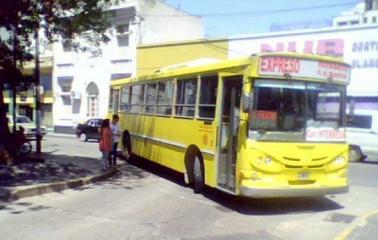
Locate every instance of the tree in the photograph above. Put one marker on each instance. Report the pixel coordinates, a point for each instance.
(75, 20)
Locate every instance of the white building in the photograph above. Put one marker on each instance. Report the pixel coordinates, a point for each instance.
(356, 45)
(362, 13)
(81, 80)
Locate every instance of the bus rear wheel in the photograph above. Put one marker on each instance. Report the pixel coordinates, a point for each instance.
(198, 174)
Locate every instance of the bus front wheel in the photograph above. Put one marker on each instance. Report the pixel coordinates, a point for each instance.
(198, 175)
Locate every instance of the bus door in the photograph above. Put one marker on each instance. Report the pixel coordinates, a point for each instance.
(230, 113)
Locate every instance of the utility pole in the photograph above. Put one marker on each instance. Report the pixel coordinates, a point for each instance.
(13, 86)
(37, 93)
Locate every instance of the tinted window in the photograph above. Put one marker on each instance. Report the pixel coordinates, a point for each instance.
(23, 120)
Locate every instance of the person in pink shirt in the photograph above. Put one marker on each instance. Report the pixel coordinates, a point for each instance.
(105, 142)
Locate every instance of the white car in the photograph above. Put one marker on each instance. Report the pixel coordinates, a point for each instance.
(27, 124)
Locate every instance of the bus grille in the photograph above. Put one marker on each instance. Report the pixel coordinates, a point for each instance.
(301, 182)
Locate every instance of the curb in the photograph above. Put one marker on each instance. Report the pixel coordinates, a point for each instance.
(360, 222)
(61, 135)
(22, 192)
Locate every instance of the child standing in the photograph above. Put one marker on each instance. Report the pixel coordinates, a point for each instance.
(105, 142)
(114, 126)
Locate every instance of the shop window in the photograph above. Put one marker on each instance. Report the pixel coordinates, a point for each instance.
(65, 83)
(123, 40)
(46, 81)
(67, 45)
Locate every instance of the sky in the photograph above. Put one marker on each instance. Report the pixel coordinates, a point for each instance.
(236, 17)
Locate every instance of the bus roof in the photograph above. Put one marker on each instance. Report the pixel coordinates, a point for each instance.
(186, 68)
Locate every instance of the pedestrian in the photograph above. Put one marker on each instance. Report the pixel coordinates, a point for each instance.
(105, 142)
(116, 133)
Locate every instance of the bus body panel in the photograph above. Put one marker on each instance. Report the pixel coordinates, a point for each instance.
(165, 140)
(268, 169)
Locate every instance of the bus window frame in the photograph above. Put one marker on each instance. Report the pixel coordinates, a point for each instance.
(145, 99)
(198, 104)
(141, 104)
(111, 100)
(172, 100)
(128, 103)
(186, 78)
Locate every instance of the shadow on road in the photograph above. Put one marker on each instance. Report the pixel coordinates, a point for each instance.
(226, 202)
(270, 206)
(132, 173)
(367, 162)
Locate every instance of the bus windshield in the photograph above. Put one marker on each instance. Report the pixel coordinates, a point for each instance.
(286, 110)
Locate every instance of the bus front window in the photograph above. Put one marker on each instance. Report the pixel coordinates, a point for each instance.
(287, 110)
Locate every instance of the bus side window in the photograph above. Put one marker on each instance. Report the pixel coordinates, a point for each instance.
(165, 97)
(111, 98)
(137, 99)
(208, 97)
(186, 97)
(149, 106)
(124, 103)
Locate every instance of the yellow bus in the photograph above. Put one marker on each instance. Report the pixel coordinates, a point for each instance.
(270, 125)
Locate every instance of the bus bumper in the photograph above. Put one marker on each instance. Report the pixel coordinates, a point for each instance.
(290, 192)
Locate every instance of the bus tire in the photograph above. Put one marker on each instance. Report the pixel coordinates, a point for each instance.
(126, 141)
(198, 173)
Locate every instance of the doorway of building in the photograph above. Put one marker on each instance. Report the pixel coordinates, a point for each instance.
(92, 99)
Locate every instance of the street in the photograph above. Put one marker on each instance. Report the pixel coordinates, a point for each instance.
(144, 201)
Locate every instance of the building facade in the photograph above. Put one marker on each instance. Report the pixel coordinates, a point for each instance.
(25, 97)
(362, 13)
(356, 45)
(81, 80)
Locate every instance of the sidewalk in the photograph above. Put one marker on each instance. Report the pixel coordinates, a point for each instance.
(48, 173)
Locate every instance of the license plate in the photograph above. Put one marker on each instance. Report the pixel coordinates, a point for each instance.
(303, 175)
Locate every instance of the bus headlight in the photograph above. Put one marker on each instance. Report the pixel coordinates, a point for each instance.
(338, 163)
(264, 160)
(266, 164)
(340, 160)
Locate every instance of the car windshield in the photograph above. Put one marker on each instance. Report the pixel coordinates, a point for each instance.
(23, 119)
(297, 111)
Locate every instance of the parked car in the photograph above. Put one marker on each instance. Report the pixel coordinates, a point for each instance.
(89, 130)
(27, 124)
(356, 154)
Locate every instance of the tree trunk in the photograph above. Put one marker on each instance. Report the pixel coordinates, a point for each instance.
(6, 142)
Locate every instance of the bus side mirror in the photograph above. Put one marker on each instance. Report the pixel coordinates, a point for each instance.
(247, 102)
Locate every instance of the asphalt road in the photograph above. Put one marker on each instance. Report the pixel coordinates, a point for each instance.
(148, 202)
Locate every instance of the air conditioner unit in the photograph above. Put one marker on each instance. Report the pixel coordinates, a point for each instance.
(75, 95)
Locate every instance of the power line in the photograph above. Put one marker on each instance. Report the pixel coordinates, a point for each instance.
(254, 13)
